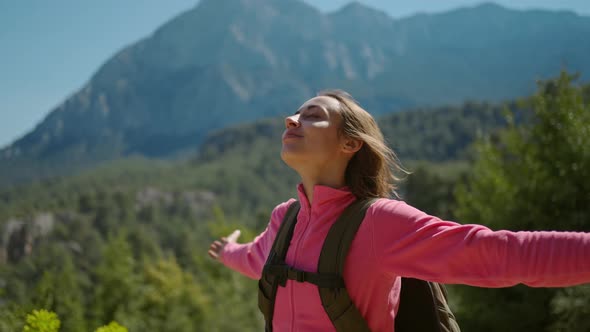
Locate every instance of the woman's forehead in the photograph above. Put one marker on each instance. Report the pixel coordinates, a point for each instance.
(326, 102)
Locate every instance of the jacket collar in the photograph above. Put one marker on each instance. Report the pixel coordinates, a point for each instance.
(323, 196)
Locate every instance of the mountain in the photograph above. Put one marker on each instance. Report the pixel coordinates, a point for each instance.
(232, 61)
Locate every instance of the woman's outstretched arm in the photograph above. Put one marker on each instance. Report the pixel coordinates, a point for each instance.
(409, 242)
(249, 258)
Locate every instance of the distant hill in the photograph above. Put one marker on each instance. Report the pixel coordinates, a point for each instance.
(242, 164)
(233, 61)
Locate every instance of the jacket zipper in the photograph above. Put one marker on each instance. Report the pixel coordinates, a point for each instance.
(295, 256)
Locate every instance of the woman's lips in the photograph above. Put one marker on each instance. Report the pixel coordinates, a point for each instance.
(291, 136)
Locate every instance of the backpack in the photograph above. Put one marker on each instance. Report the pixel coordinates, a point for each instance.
(423, 305)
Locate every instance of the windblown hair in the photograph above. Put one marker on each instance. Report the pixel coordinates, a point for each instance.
(371, 172)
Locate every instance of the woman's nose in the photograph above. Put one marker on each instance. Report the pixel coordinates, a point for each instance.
(292, 121)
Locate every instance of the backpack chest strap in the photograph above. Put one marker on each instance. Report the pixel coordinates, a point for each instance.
(283, 272)
(332, 291)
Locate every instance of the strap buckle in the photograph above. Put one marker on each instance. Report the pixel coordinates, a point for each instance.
(278, 272)
(282, 272)
(299, 275)
(296, 274)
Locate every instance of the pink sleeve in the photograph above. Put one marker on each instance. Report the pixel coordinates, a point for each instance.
(249, 258)
(411, 243)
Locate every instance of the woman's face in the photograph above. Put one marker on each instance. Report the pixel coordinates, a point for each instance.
(311, 135)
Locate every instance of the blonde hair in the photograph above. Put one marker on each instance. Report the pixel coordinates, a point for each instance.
(371, 172)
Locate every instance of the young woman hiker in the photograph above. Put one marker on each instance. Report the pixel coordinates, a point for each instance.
(339, 152)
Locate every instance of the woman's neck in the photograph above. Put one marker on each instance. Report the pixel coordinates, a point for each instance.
(331, 174)
(310, 183)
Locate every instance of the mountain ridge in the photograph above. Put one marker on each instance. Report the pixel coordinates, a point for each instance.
(226, 62)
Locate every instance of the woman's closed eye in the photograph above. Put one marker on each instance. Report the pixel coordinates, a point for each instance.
(307, 115)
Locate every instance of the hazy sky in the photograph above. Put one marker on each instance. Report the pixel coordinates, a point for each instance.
(50, 49)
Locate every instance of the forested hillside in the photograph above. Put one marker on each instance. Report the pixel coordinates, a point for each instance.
(239, 163)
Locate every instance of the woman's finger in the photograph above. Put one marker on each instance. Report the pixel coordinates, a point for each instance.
(213, 254)
(233, 237)
(217, 246)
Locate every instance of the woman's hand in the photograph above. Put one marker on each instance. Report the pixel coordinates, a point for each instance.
(217, 246)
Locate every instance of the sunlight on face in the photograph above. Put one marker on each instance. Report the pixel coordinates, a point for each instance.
(311, 135)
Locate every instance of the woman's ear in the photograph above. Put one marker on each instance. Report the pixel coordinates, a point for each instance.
(352, 145)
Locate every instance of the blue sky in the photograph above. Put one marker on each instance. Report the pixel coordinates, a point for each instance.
(50, 49)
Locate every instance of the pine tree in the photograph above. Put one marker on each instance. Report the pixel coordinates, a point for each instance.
(529, 177)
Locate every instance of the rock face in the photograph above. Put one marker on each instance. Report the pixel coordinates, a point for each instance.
(230, 61)
(19, 236)
(197, 202)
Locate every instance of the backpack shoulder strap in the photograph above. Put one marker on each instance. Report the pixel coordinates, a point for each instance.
(285, 232)
(423, 307)
(336, 301)
(268, 284)
(423, 304)
(447, 319)
(340, 237)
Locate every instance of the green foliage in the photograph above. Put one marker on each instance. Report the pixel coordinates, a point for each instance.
(59, 290)
(570, 307)
(42, 321)
(12, 318)
(536, 174)
(430, 187)
(112, 327)
(440, 134)
(116, 291)
(172, 299)
(532, 176)
(48, 321)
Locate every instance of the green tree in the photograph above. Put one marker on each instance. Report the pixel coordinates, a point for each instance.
(42, 321)
(112, 327)
(12, 317)
(117, 282)
(60, 290)
(172, 299)
(530, 176)
(430, 187)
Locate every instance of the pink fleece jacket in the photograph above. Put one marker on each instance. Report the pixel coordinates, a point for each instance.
(395, 240)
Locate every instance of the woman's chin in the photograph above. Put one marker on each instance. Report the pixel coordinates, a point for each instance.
(291, 158)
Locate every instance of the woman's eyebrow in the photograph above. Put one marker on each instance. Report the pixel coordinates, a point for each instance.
(308, 108)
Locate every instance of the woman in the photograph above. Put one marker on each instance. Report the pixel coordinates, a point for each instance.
(339, 152)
